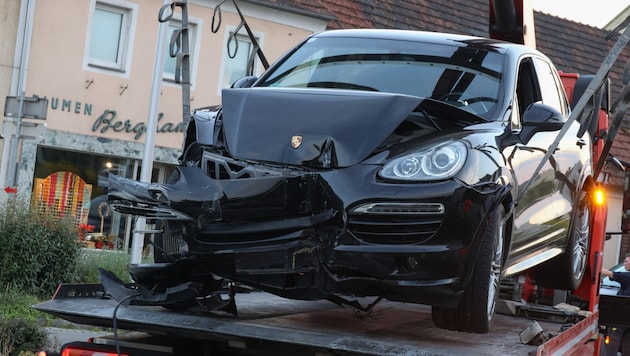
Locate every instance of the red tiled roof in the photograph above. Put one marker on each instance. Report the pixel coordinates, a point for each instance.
(314, 8)
(447, 16)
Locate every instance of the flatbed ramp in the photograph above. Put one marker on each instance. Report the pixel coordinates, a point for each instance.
(267, 324)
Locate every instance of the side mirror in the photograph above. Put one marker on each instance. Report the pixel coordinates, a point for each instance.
(245, 82)
(543, 117)
(540, 117)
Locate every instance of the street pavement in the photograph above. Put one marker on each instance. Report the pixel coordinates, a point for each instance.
(60, 335)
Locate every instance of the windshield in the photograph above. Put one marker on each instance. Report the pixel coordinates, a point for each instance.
(458, 75)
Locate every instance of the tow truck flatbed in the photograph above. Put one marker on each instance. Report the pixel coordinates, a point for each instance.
(267, 324)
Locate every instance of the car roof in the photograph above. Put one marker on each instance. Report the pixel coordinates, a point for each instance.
(432, 37)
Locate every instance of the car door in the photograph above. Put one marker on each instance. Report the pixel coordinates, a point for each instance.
(571, 154)
(535, 215)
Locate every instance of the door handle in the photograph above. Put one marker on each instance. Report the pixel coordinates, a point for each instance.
(580, 142)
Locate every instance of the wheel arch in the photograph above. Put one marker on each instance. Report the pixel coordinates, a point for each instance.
(503, 197)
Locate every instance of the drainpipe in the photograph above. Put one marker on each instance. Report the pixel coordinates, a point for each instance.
(18, 82)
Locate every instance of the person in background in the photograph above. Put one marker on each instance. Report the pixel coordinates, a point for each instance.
(619, 336)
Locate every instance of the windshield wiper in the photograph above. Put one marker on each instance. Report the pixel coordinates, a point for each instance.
(443, 111)
(340, 85)
(415, 118)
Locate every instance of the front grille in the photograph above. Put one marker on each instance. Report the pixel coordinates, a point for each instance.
(393, 229)
(172, 243)
(224, 168)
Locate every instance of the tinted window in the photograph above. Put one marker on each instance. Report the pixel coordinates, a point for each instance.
(459, 75)
(527, 87)
(551, 91)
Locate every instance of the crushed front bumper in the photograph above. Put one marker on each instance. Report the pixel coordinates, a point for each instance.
(306, 235)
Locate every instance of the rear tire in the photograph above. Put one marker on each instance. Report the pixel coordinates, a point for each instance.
(565, 272)
(477, 306)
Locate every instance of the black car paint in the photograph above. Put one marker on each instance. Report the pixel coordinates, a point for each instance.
(283, 219)
(275, 219)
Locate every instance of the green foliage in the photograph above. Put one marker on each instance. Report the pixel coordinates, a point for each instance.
(113, 261)
(21, 335)
(15, 304)
(38, 252)
(20, 329)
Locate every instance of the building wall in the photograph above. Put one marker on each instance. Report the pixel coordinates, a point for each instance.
(9, 16)
(81, 97)
(104, 112)
(57, 70)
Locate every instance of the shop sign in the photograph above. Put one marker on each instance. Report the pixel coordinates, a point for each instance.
(109, 121)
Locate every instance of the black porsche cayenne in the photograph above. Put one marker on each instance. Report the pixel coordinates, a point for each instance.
(395, 164)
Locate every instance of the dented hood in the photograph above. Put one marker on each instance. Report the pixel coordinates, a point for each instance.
(298, 126)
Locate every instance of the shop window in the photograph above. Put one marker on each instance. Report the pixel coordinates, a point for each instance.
(74, 184)
(64, 194)
(110, 35)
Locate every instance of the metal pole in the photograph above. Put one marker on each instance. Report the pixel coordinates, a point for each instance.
(149, 145)
(15, 139)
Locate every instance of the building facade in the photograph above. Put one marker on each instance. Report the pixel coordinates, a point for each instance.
(10, 15)
(93, 62)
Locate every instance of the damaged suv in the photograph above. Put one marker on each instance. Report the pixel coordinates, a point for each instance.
(390, 164)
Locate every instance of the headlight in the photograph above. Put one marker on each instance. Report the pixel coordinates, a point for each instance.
(439, 162)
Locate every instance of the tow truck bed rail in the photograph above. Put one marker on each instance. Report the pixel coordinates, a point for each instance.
(267, 324)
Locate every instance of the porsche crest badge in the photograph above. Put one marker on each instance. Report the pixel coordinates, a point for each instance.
(296, 141)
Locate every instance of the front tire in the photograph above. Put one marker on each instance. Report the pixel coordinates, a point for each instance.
(477, 306)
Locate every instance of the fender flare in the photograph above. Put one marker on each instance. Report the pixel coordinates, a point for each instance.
(502, 196)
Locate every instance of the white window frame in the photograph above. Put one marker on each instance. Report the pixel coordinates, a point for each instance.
(122, 64)
(194, 36)
(242, 36)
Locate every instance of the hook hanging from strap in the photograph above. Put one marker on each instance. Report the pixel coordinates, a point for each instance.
(233, 37)
(179, 48)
